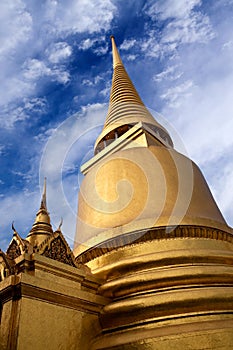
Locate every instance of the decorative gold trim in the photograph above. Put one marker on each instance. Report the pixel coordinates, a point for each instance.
(153, 234)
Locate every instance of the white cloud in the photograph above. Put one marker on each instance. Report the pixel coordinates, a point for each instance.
(93, 82)
(33, 44)
(80, 15)
(210, 112)
(86, 44)
(16, 114)
(127, 44)
(16, 24)
(106, 91)
(87, 82)
(35, 69)
(44, 134)
(13, 89)
(150, 46)
(36, 104)
(102, 50)
(195, 28)
(175, 95)
(59, 52)
(171, 9)
(131, 57)
(185, 24)
(21, 209)
(99, 45)
(16, 31)
(170, 73)
(228, 45)
(23, 111)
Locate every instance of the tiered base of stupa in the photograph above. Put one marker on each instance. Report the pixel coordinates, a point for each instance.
(168, 290)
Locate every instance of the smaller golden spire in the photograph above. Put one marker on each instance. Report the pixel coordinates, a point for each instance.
(115, 54)
(43, 215)
(41, 228)
(43, 199)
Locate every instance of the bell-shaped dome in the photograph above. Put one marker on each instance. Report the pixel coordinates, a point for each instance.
(137, 181)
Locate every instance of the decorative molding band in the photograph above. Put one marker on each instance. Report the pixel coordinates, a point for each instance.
(161, 233)
(64, 300)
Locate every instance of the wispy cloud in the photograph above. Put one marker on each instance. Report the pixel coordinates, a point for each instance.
(176, 94)
(35, 69)
(127, 44)
(31, 47)
(185, 24)
(92, 82)
(59, 52)
(97, 43)
(22, 111)
(80, 16)
(13, 208)
(170, 73)
(150, 46)
(17, 23)
(171, 9)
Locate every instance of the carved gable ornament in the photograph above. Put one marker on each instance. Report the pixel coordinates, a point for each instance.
(13, 250)
(55, 247)
(17, 246)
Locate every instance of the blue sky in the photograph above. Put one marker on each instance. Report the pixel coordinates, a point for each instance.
(56, 72)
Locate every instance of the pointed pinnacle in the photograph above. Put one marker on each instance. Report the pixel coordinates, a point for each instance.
(115, 54)
(60, 225)
(13, 227)
(43, 199)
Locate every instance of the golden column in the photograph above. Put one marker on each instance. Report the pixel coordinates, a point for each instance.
(149, 228)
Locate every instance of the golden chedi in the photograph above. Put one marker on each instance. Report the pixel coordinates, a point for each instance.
(152, 268)
(149, 227)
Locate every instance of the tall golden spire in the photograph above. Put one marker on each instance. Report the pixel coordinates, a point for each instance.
(41, 227)
(126, 107)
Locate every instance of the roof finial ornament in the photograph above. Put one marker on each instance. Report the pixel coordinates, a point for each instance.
(43, 200)
(60, 225)
(13, 228)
